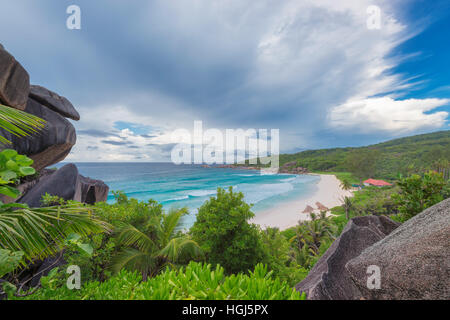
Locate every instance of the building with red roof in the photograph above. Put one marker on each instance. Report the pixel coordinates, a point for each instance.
(377, 183)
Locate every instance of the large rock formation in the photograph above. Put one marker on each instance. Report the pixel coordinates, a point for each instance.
(54, 102)
(14, 81)
(328, 279)
(414, 260)
(67, 184)
(49, 146)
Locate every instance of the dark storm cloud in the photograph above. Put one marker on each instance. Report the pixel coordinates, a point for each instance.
(241, 64)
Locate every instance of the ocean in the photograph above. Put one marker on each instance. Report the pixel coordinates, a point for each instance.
(190, 185)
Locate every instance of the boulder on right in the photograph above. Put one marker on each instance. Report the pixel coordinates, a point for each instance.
(414, 260)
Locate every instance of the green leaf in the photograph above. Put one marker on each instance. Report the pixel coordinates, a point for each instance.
(9, 153)
(8, 175)
(9, 261)
(73, 237)
(12, 165)
(13, 205)
(9, 191)
(86, 247)
(23, 161)
(27, 171)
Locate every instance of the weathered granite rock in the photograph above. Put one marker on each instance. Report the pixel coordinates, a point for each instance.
(27, 185)
(14, 81)
(54, 102)
(328, 279)
(49, 146)
(91, 191)
(43, 268)
(67, 184)
(414, 260)
(62, 183)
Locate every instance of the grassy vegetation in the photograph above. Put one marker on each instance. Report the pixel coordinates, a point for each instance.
(194, 282)
(400, 156)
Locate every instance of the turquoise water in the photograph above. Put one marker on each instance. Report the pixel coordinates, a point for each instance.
(190, 185)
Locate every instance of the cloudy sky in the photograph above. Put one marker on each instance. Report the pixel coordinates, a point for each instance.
(320, 71)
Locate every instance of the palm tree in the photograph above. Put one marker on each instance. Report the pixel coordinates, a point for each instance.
(347, 204)
(311, 233)
(41, 232)
(346, 184)
(159, 243)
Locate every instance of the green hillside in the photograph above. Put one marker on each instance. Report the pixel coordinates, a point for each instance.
(404, 155)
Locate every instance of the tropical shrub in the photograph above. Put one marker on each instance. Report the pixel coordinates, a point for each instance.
(13, 166)
(196, 281)
(312, 238)
(224, 233)
(418, 193)
(279, 260)
(145, 239)
(150, 248)
(9, 261)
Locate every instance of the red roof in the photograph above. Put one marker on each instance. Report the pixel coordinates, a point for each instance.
(378, 183)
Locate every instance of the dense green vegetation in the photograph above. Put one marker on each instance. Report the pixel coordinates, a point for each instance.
(194, 282)
(223, 231)
(163, 262)
(400, 156)
(136, 250)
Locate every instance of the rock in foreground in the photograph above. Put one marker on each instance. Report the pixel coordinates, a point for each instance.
(414, 260)
(328, 279)
(67, 184)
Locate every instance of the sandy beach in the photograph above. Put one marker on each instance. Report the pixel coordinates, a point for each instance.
(286, 215)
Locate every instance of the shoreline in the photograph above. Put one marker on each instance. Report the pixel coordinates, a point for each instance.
(288, 214)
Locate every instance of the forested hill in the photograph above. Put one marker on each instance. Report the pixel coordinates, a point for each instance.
(404, 155)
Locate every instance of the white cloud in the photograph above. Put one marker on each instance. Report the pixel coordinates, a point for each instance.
(389, 115)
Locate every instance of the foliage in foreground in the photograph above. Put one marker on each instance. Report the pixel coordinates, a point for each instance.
(18, 123)
(145, 239)
(224, 233)
(195, 282)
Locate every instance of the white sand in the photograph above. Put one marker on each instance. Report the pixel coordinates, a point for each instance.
(286, 215)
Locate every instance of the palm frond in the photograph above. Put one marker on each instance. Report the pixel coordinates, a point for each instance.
(170, 223)
(131, 236)
(177, 246)
(41, 232)
(18, 123)
(133, 259)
